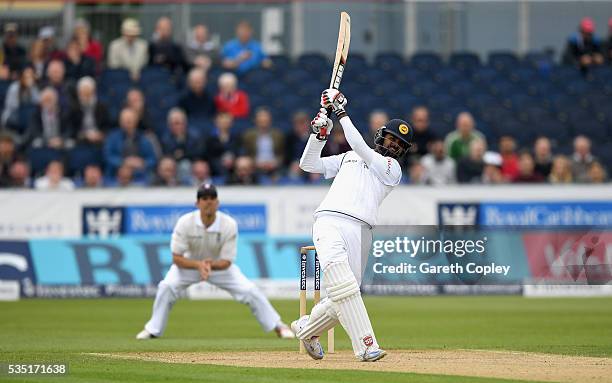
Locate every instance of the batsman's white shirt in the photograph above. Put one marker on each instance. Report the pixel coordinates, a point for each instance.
(193, 240)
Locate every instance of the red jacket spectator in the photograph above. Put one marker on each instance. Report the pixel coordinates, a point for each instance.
(510, 161)
(230, 99)
(89, 46)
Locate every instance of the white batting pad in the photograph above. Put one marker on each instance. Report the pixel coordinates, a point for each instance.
(322, 318)
(343, 291)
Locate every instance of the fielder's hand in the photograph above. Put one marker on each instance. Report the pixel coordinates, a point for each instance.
(335, 101)
(322, 125)
(204, 269)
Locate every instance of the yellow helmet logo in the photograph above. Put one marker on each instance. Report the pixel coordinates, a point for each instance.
(403, 129)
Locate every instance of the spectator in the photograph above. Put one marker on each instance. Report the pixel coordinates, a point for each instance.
(458, 142)
(510, 161)
(584, 49)
(135, 100)
(56, 71)
(597, 173)
(470, 168)
(129, 51)
(78, 65)
(336, 144)
(89, 118)
(296, 139)
(127, 146)
(178, 142)
(13, 53)
(377, 119)
(196, 101)
(582, 159)
(527, 172)
(200, 173)
(561, 171)
(92, 177)
(244, 53)
(492, 174)
(542, 156)
(21, 92)
(438, 168)
(125, 177)
(166, 173)
(264, 144)
(37, 58)
(50, 125)
(230, 99)
(51, 51)
(163, 51)
(8, 156)
(20, 174)
(244, 172)
(416, 172)
(89, 46)
(201, 51)
(222, 145)
(422, 134)
(54, 178)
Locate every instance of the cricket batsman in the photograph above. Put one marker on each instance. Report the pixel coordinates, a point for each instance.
(363, 178)
(203, 248)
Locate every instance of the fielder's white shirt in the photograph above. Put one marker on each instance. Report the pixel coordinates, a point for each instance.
(193, 240)
(363, 177)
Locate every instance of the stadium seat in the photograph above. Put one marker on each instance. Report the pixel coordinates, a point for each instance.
(81, 156)
(313, 62)
(280, 63)
(426, 61)
(356, 62)
(448, 75)
(484, 75)
(502, 61)
(40, 158)
(464, 61)
(108, 77)
(297, 77)
(389, 61)
(259, 77)
(154, 74)
(595, 130)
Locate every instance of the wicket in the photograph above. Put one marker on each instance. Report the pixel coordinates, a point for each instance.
(317, 291)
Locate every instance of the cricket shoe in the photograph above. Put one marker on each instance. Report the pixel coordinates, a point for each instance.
(312, 346)
(373, 355)
(144, 334)
(284, 332)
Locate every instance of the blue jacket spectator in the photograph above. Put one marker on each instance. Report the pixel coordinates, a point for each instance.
(244, 53)
(127, 146)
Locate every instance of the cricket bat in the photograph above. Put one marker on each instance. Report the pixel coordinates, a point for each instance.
(342, 48)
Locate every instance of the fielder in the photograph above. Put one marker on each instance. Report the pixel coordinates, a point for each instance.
(203, 249)
(363, 178)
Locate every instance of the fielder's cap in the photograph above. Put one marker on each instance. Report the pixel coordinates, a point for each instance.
(10, 28)
(587, 25)
(46, 32)
(130, 27)
(207, 190)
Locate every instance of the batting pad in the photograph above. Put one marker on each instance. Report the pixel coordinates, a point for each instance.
(343, 291)
(322, 318)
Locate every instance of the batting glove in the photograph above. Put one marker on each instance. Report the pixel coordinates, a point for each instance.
(322, 125)
(335, 101)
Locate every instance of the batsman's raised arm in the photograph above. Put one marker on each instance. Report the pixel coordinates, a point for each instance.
(311, 160)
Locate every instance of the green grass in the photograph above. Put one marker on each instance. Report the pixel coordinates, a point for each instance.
(54, 330)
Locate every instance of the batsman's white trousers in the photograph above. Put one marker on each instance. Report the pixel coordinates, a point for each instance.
(231, 280)
(340, 239)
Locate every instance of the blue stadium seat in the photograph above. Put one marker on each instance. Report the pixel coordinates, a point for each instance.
(502, 61)
(40, 158)
(485, 74)
(595, 130)
(464, 61)
(81, 156)
(448, 75)
(558, 133)
(423, 89)
(375, 75)
(296, 77)
(274, 90)
(407, 76)
(387, 88)
(523, 74)
(108, 77)
(357, 62)
(426, 61)
(154, 74)
(280, 63)
(389, 61)
(314, 62)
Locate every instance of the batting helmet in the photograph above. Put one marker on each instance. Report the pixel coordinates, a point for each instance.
(398, 128)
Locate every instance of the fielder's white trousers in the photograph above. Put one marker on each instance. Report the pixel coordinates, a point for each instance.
(231, 280)
(339, 239)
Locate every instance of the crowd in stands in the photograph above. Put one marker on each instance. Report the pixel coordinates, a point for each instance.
(162, 113)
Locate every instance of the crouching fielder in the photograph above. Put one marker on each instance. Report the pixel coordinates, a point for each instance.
(343, 222)
(203, 249)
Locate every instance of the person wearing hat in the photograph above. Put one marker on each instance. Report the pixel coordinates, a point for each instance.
(363, 178)
(51, 52)
(584, 49)
(203, 247)
(129, 51)
(14, 54)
